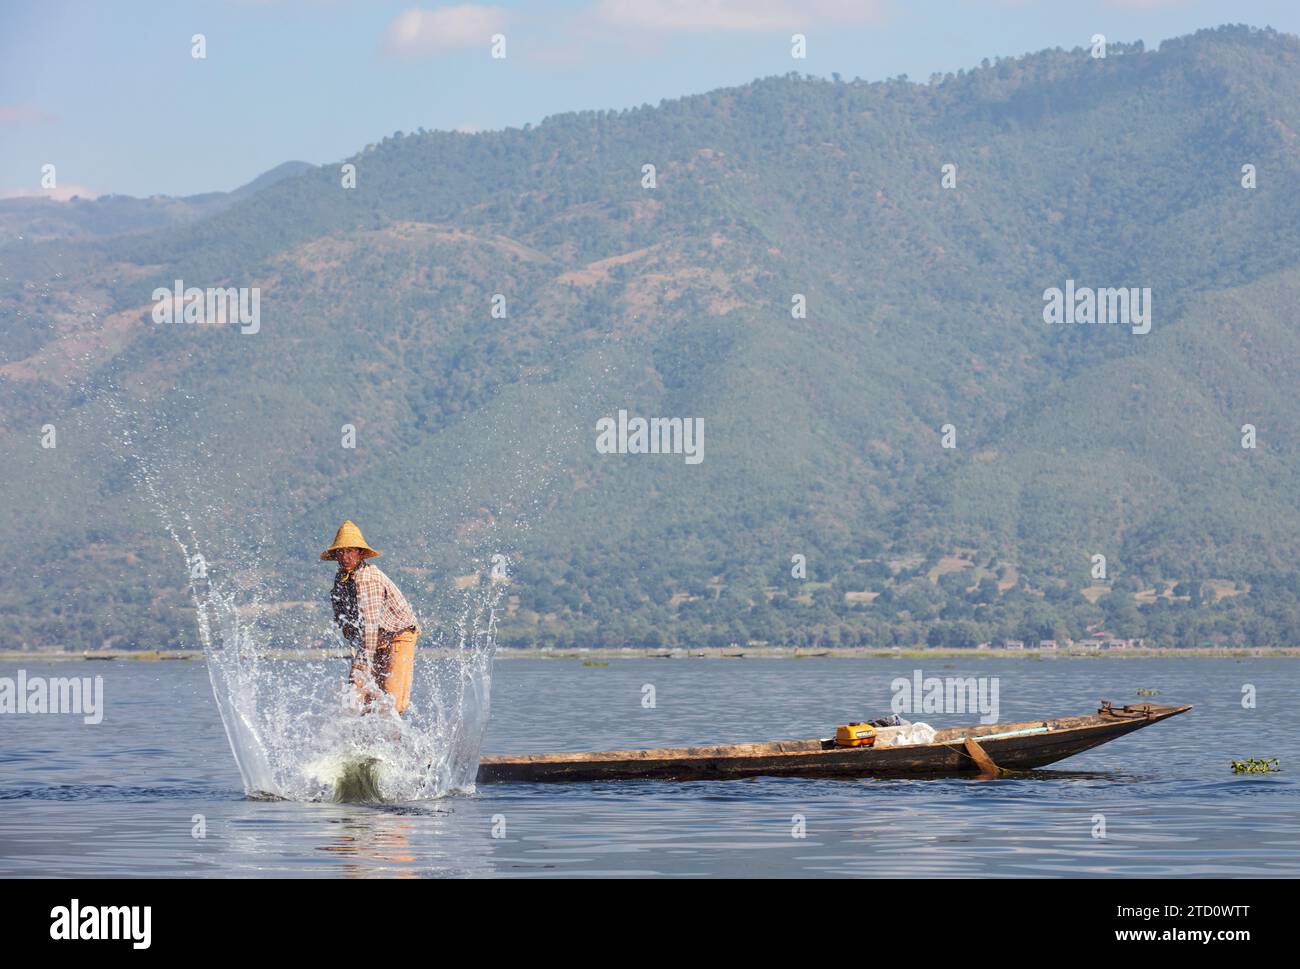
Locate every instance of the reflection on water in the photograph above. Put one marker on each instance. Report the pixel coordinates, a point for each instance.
(121, 798)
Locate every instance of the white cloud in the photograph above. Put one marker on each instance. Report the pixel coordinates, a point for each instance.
(419, 33)
(701, 16)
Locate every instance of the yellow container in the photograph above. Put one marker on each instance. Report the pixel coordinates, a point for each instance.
(855, 735)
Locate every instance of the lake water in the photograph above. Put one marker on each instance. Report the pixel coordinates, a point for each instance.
(119, 798)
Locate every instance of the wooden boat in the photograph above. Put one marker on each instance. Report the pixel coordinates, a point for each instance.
(1011, 746)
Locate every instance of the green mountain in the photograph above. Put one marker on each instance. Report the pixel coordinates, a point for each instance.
(823, 435)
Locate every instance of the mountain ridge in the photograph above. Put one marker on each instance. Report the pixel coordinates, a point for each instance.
(823, 435)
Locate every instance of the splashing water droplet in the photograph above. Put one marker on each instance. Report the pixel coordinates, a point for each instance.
(292, 721)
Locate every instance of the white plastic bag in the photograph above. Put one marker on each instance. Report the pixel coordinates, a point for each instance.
(905, 736)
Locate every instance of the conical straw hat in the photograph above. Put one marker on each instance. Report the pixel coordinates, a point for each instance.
(348, 536)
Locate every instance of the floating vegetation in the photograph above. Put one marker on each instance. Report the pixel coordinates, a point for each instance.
(594, 662)
(1255, 766)
(1147, 692)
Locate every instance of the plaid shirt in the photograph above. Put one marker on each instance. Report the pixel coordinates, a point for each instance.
(381, 607)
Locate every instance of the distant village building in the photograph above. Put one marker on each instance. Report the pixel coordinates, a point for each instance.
(1125, 643)
(1048, 644)
(1014, 644)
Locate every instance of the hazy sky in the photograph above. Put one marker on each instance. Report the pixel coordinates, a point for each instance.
(110, 94)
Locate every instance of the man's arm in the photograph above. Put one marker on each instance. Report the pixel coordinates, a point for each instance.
(370, 605)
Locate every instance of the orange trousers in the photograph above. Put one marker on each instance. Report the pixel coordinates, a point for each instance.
(392, 666)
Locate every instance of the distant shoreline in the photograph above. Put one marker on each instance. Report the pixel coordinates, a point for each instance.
(758, 652)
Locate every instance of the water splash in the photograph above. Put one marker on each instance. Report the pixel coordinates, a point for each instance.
(293, 723)
(242, 525)
(297, 732)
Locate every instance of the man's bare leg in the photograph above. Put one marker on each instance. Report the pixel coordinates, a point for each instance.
(364, 678)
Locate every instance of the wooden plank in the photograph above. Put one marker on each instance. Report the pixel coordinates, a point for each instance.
(982, 759)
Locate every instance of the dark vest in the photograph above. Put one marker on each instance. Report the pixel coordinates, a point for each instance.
(343, 597)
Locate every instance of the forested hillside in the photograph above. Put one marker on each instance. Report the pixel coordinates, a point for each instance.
(824, 434)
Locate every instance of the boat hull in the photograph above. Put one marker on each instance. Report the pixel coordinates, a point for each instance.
(1012, 746)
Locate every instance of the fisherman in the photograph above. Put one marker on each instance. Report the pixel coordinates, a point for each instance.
(376, 620)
